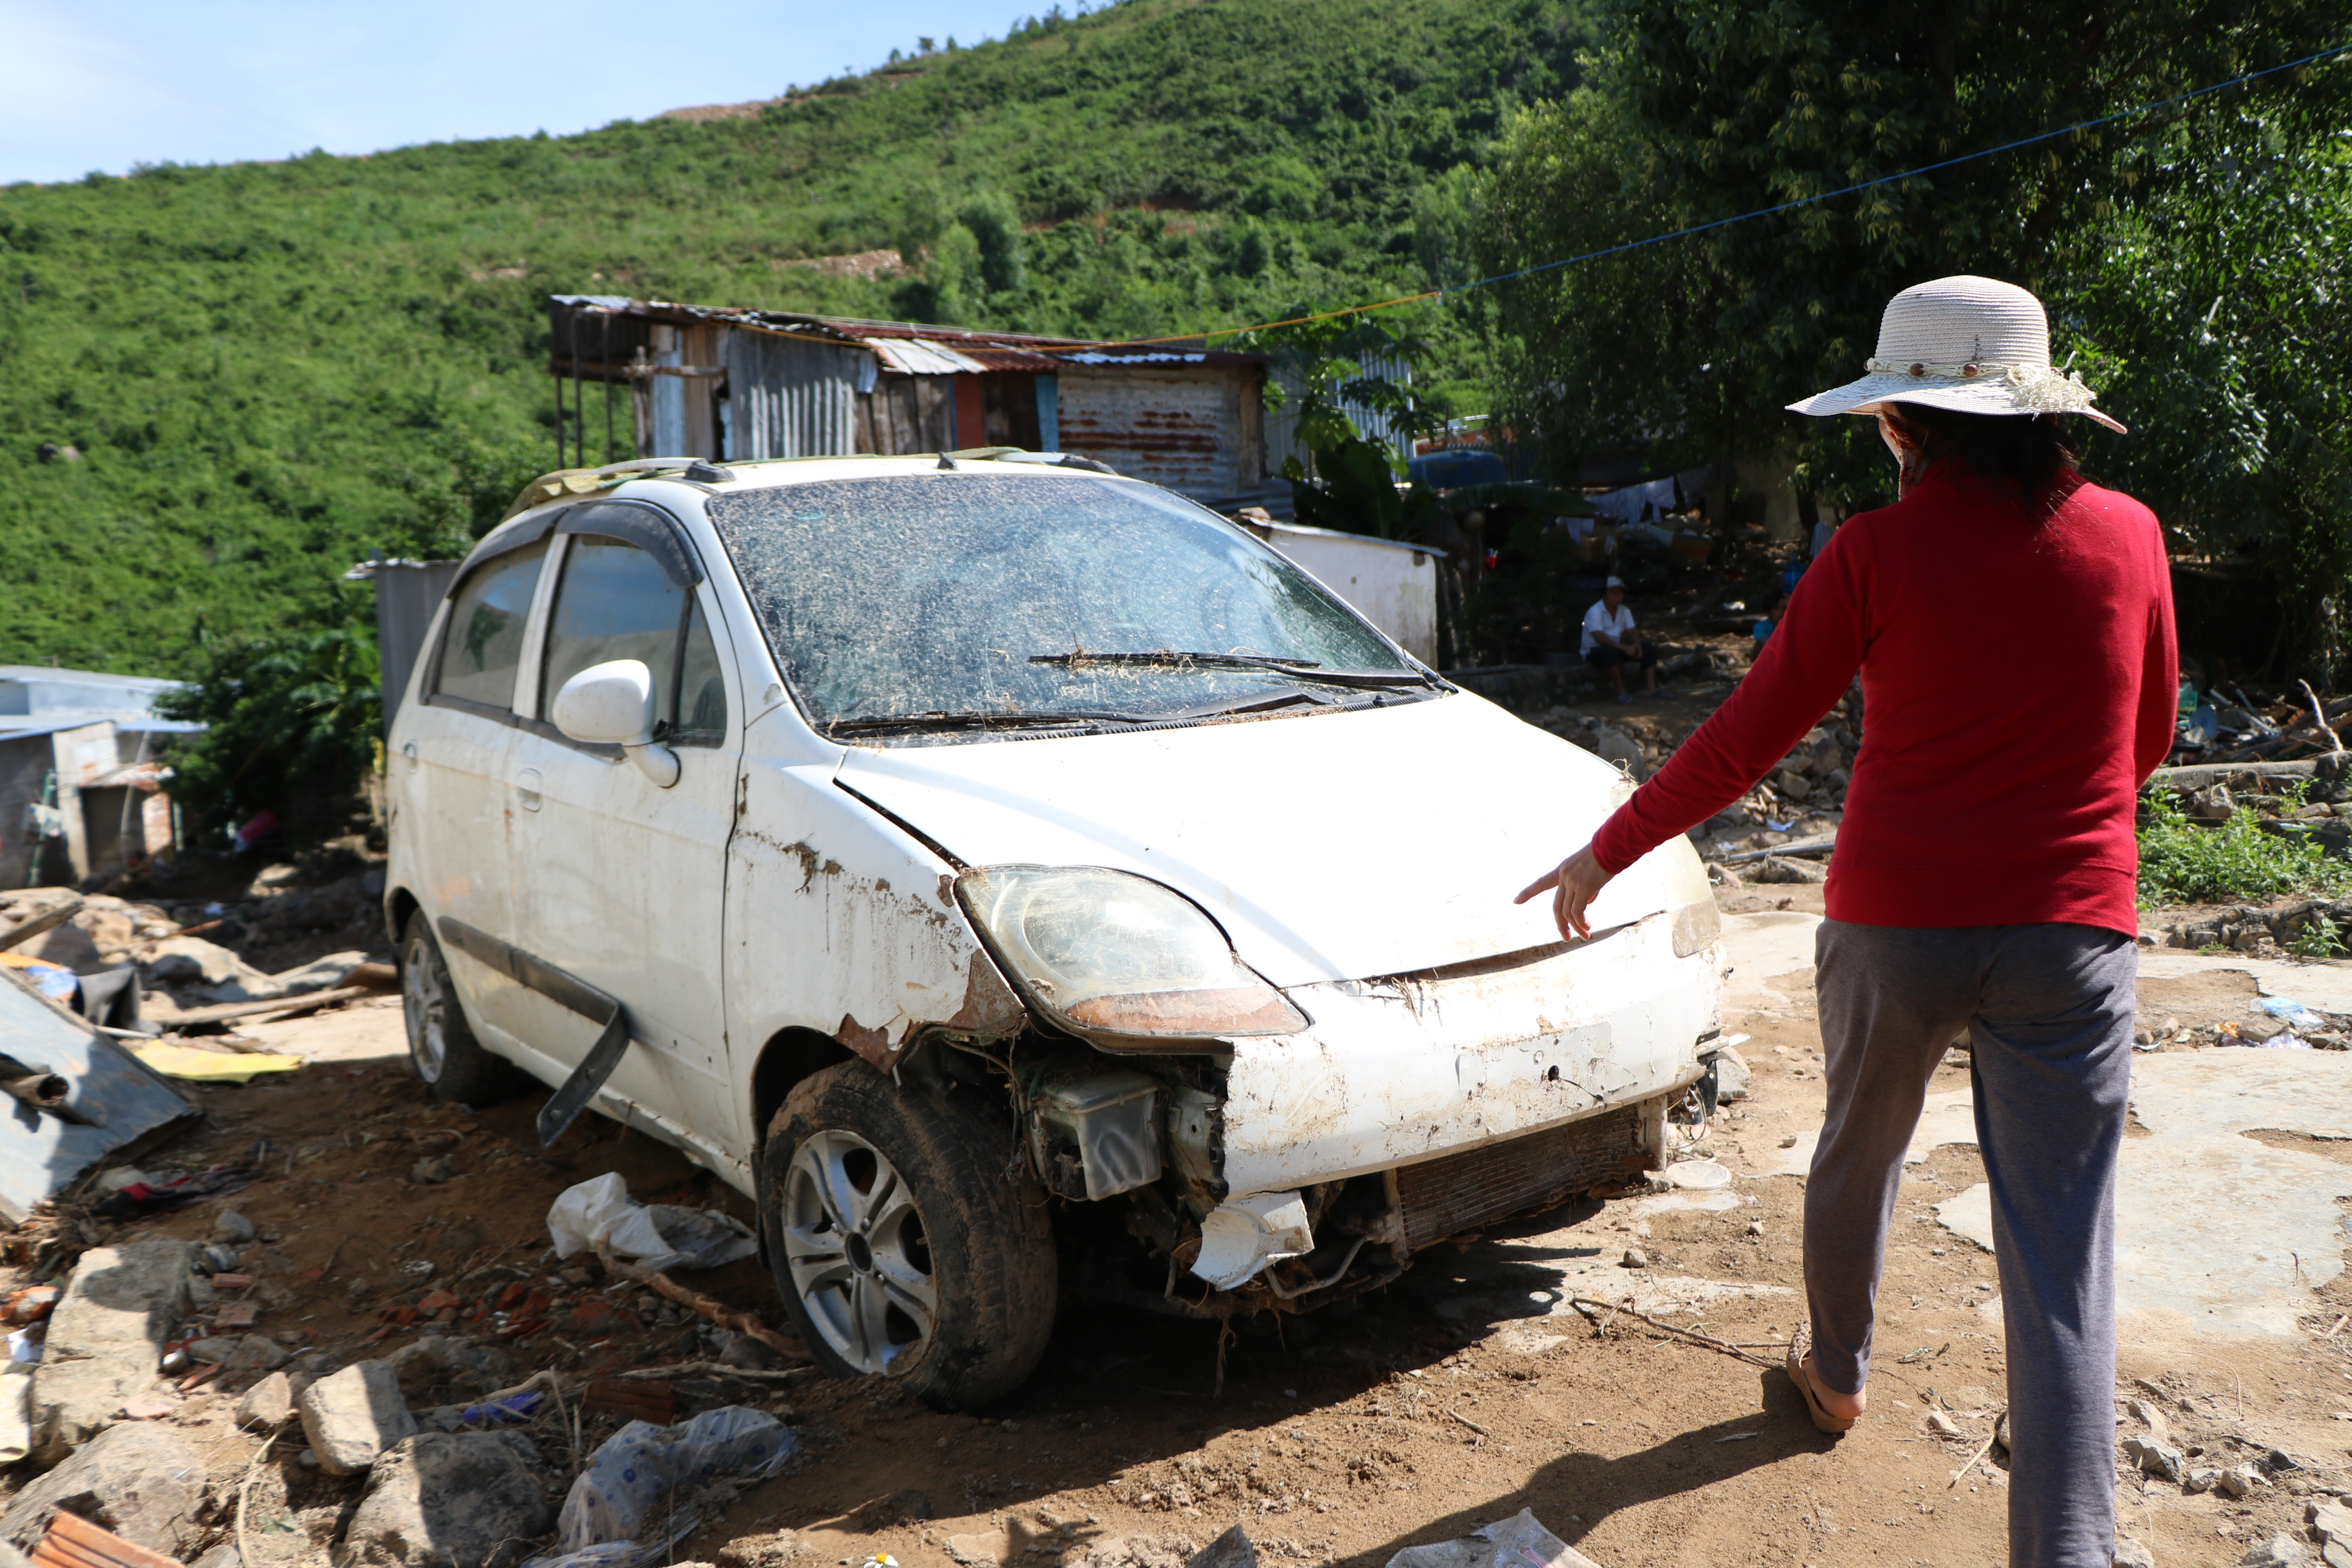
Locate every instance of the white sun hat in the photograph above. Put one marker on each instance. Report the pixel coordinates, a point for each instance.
(1975, 344)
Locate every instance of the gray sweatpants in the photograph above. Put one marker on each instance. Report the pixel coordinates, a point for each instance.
(2048, 1010)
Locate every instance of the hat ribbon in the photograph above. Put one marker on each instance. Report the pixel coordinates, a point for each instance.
(2038, 387)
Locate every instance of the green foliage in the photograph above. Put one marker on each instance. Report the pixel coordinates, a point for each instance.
(2194, 258)
(2181, 863)
(2319, 938)
(292, 720)
(273, 370)
(1348, 481)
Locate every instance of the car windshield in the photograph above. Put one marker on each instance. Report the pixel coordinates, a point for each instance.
(958, 600)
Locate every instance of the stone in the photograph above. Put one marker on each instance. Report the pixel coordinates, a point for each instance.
(2130, 1553)
(451, 1500)
(1941, 1425)
(1731, 1074)
(138, 1481)
(354, 1416)
(2278, 1551)
(2331, 1519)
(2155, 1458)
(2336, 1554)
(1231, 1550)
(2240, 1480)
(215, 1347)
(1636, 1258)
(2201, 1478)
(439, 1360)
(2000, 1432)
(232, 1228)
(1786, 869)
(105, 1336)
(267, 1405)
(256, 1352)
(224, 1555)
(2152, 1418)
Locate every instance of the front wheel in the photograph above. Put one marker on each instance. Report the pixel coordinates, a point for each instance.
(441, 1045)
(901, 1245)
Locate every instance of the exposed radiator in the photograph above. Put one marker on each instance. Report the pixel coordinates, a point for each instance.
(1458, 1193)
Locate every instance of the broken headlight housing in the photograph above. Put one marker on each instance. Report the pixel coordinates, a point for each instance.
(1120, 961)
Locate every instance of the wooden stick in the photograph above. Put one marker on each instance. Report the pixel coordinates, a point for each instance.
(1961, 1474)
(695, 1302)
(716, 1369)
(1468, 1422)
(2336, 745)
(1707, 1340)
(39, 923)
(302, 1004)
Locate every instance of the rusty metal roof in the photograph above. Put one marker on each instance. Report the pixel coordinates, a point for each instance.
(915, 348)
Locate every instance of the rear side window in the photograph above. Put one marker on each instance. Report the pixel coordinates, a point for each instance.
(616, 602)
(482, 646)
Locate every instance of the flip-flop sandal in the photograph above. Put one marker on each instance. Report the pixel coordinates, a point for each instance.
(1799, 1348)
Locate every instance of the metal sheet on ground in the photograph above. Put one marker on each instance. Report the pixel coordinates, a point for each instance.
(120, 1102)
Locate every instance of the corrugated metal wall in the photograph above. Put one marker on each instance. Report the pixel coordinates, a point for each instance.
(1282, 423)
(1199, 430)
(790, 398)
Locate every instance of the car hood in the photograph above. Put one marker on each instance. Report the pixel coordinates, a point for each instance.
(1339, 846)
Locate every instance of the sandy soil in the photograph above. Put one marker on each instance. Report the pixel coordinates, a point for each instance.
(1464, 1393)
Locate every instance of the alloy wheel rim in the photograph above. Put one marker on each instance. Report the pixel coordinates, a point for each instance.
(421, 990)
(857, 1252)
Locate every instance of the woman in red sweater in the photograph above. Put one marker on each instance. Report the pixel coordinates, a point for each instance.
(1985, 872)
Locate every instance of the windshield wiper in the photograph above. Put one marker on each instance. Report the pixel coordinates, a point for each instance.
(977, 719)
(1298, 668)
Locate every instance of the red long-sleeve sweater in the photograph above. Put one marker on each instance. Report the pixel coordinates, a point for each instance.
(2019, 684)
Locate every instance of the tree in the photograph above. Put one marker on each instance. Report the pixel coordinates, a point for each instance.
(1698, 111)
(1345, 369)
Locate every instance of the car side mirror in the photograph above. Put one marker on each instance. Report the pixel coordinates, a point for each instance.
(612, 704)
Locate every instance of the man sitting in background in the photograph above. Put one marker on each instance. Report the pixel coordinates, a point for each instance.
(1610, 643)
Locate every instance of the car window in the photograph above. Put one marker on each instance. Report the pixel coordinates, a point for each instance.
(615, 601)
(972, 593)
(482, 646)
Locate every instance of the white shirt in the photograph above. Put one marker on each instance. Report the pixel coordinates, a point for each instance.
(1599, 619)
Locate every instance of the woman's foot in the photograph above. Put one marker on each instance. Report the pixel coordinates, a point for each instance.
(1832, 1412)
(1843, 1407)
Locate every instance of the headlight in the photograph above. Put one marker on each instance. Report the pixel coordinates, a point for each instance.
(1118, 960)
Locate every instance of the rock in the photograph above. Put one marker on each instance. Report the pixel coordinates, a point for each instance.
(2240, 1480)
(2130, 1553)
(256, 1352)
(1941, 1425)
(432, 1171)
(2155, 1458)
(232, 1228)
(1731, 1074)
(2331, 1519)
(193, 961)
(354, 1416)
(224, 1555)
(215, 1347)
(105, 1338)
(1783, 869)
(2000, 1432)
(2336, 1554)
(2152, 1418)
(2202, 1479)
(139, 1481)
(461, 1499)
(269, 1404)
(319, 974)
(2278, 1551)
(439, 1359)
(1231, 1550)
(1634, 1258)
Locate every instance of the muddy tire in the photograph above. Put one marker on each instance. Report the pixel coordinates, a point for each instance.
(441, 1049)
(901, 1246)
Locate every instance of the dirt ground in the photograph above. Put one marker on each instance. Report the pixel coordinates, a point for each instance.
(1465, 1391)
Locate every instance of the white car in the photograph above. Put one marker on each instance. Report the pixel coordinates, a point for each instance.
(1025, 886)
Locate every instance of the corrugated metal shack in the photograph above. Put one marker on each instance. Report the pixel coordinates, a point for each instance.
(693, 381)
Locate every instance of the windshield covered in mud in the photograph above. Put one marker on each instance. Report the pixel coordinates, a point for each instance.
(963, 600)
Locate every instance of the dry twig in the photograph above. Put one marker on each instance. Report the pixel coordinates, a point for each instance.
(244, 1544)
(695, 1302)
(1468, 1422)
(1726, 1346)
(716, 1369)
(1986, 1448)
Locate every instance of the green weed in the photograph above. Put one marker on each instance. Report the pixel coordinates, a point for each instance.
(2319, 938)
(2182, 863)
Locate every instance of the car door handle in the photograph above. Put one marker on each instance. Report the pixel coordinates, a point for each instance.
(527, 784)
(408, 749)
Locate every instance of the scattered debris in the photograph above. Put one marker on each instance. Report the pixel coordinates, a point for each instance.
(2156, 1457)
(1518, 1541)
(467, 1499)
(107, 1333)
(138, 1481)
(599, 1216)
(612, 1498)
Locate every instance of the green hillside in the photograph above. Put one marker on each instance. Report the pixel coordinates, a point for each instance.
(271, 370)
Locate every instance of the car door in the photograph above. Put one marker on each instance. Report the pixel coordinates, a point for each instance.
(618, 880)
(454, 750)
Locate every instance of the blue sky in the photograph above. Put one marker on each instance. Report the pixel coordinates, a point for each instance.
(104, 84)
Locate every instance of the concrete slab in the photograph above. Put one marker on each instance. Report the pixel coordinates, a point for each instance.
(1764, 948)
(1947, 1118)
(2323, 987)
(365, 1030)
(2229, 1234)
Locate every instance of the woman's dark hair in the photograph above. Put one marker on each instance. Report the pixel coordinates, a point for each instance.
(2025, 450)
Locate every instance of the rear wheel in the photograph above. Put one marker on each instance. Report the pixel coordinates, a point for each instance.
(900, 1243)
(441, 1046)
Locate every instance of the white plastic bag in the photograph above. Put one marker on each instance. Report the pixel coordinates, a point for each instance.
(1518, 1541)
(661, 1237)
(611, 1518)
